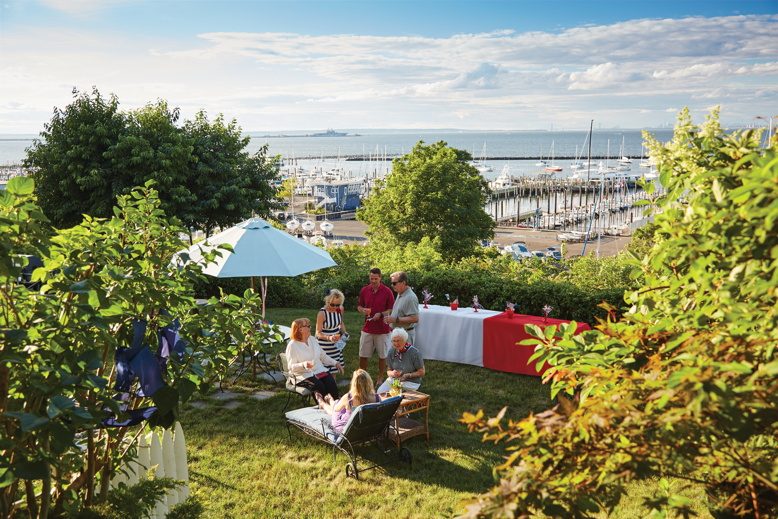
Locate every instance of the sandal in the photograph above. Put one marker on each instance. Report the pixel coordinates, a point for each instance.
(319, 399)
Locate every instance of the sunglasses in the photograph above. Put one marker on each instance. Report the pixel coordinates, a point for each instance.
(334, 304)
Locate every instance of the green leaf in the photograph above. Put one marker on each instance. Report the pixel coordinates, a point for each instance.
(28, 421)
(20, 186)
(587, 504)
(94, 299)
(80, 287)
(58, 404)
(166, 399)
(114, 310)
(62, 438)
(185, 389)
(91, 360)
(6, 477)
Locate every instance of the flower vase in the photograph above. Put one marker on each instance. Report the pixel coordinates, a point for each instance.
(454, 306)
(509, 312)
(425, 305)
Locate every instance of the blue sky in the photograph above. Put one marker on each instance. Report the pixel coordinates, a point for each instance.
(395, 64)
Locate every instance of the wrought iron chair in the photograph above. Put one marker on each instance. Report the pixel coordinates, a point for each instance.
(290, 383)
(369, 423)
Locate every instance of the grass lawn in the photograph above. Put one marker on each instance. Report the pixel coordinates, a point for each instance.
(243, 464)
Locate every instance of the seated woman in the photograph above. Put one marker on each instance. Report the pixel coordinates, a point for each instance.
(404, 362)
(361, 392)
(307, 361)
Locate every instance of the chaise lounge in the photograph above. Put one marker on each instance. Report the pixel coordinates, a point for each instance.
(368, 423)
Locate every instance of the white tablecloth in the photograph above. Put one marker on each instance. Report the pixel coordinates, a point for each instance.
(453, 336)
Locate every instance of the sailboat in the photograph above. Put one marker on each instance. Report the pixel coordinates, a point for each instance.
(625, 163)
(645, 162)
(551, 168)
(541, 163)
(578, 163)
(481, 165)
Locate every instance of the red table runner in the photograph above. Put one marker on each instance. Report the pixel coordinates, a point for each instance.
(501, 333)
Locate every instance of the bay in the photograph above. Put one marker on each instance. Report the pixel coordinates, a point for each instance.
(391, 143)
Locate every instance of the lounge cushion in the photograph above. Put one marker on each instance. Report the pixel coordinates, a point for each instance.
(314, 419)
(366, 421)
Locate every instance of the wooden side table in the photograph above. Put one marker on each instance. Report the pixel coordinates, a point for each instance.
(403, 427)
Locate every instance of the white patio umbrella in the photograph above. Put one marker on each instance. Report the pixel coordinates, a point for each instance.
(260, 250)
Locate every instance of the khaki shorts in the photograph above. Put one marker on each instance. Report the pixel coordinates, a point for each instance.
(371, 342)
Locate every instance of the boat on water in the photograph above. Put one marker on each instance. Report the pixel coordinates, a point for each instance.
(504, 180)
(481, 164)
(552, 168)
(624, 163)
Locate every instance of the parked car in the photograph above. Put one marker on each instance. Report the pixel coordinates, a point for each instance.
(519, 250)
(539, 254)
(554, 254)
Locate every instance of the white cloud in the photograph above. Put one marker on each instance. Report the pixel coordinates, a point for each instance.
(499, 79)
(602, 76)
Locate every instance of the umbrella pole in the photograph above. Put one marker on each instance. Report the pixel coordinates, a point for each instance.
(263, 284)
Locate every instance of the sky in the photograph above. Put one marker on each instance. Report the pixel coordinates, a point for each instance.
(477, 65)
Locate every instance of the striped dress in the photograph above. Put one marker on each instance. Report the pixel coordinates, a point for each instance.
(331, 326)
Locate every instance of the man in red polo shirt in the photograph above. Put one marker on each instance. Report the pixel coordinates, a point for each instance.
(375, 301)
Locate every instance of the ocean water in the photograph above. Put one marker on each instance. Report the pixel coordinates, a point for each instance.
(529, 144)
(516, 145)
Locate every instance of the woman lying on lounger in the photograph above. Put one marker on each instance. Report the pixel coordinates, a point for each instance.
(361, 392)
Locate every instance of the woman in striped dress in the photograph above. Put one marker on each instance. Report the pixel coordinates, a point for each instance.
(330, 326)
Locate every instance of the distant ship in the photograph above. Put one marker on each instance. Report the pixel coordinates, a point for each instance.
(329, 133)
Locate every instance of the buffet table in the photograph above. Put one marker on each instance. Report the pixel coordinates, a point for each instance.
(501, 333)
(485, 338)
(453, 336)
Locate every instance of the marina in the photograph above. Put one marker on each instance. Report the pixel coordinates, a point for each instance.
(538, 179)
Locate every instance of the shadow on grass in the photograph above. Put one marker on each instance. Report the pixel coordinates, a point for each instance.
(208, 481)
(455, 459)
(248, 449)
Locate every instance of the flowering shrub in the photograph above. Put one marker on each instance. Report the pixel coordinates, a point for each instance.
(684, 385)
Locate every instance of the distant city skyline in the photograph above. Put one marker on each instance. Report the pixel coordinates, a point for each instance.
(464, 65)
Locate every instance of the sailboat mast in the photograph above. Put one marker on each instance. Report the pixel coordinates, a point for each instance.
(589, 166)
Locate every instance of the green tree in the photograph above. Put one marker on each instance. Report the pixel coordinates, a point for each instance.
(70, 164)
(432, 192)
(228, 183)
(286, 191)
(91, 153)
(684, 385)
(153, 147)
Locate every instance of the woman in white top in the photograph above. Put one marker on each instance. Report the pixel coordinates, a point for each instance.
(307, 360)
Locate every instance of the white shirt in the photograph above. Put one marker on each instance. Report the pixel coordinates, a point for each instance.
(298, 353)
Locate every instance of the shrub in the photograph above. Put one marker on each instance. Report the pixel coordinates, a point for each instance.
(105, 284)
(684, 385)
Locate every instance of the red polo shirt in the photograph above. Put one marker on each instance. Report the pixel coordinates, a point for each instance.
(381, 300)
